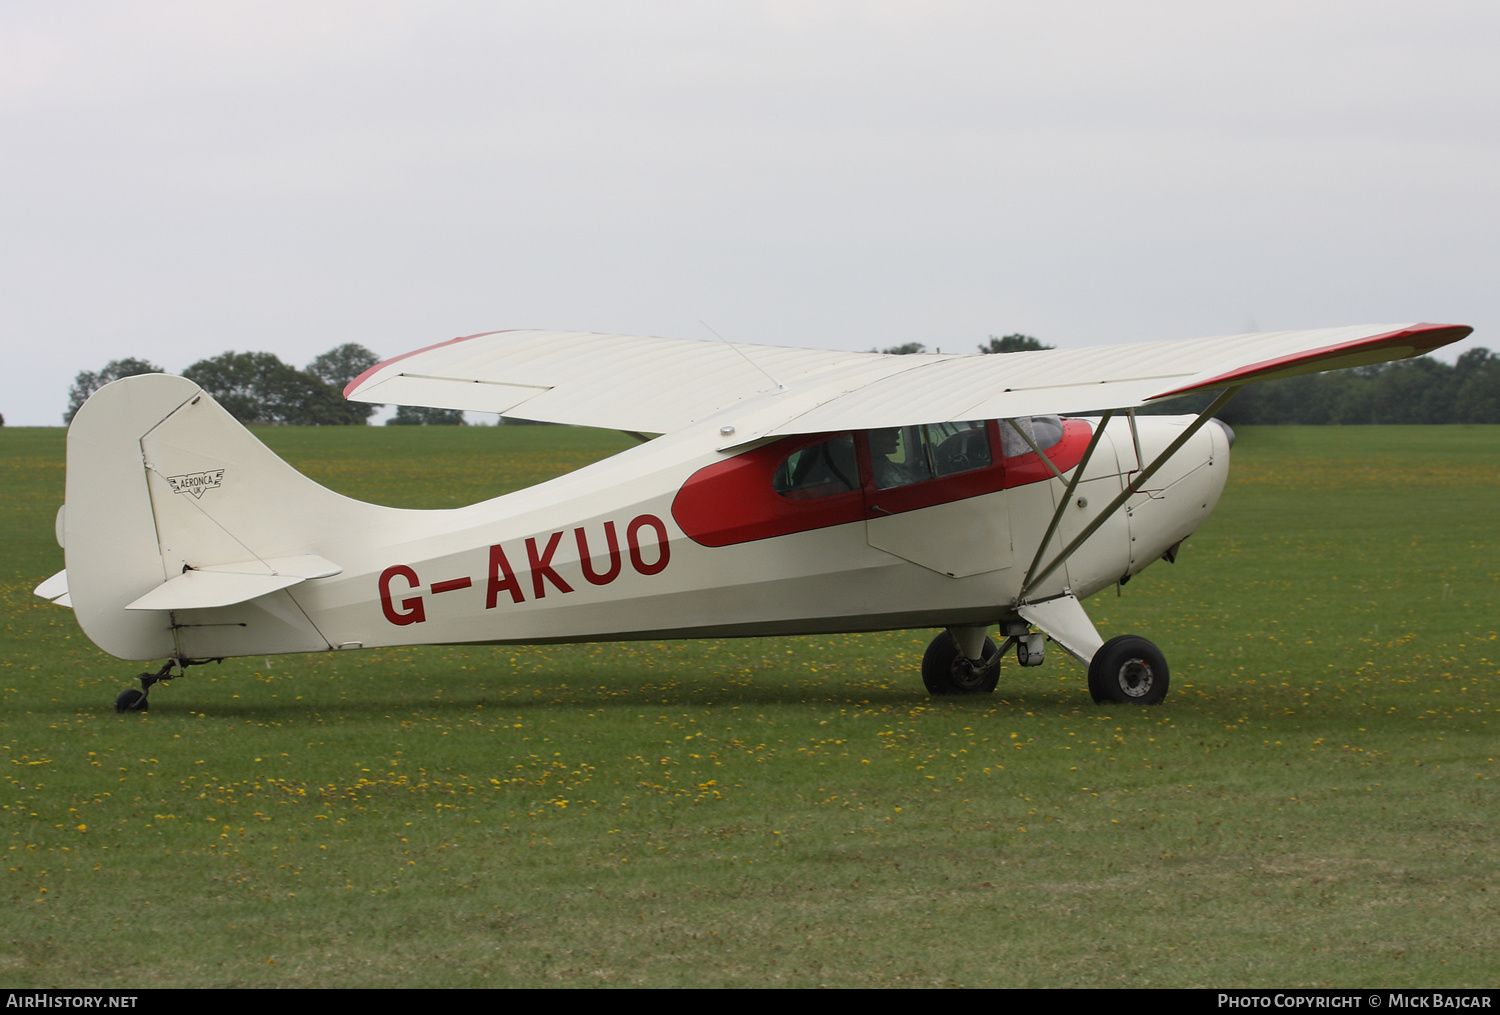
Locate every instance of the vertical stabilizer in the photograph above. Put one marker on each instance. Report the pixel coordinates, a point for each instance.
(184, 532)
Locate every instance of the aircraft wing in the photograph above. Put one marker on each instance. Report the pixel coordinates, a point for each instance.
(618, 382)
(658, 385)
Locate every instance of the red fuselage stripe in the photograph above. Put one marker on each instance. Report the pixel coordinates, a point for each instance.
(733, 501)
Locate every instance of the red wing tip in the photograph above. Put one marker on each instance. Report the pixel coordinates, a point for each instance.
(349, 388)
(1459, 333)
(1420, 338)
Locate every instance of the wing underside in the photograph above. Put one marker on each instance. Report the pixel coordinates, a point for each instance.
(659, 385)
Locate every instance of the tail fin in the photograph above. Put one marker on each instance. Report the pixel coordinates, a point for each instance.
(182, 531)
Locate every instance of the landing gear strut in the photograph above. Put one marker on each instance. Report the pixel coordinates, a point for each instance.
(131, 700)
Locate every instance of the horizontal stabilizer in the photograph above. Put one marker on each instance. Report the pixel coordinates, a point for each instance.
(303, 565)
(227, 584)
(55, 589)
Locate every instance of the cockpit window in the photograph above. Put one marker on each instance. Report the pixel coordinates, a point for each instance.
(820, 470)
(911, 454)
(958, 447)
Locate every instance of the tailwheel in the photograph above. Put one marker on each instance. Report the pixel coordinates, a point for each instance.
(946, 671)
(131, 700)
(1128, 670)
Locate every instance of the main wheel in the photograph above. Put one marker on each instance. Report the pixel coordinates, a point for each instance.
(1129, 671)
(131, 700)
(946, 671)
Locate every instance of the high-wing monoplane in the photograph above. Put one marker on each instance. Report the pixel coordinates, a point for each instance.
(789, 491)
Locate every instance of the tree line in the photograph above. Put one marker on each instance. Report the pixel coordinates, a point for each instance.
(995, 344)
(258, 388)
(1420, 390)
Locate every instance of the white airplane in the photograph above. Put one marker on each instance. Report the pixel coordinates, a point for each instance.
(792, 491)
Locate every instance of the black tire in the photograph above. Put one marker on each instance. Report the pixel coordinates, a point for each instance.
(1128, 670)
(946, 671)
(131, 700)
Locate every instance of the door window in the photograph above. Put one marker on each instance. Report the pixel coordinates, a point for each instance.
(900, 456)
(820, 470)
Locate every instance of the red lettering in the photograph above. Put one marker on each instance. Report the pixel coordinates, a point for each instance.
(541, 566)
(588, 564)
(631, 532)
(498, 566)
(539, 559)
(414, 614)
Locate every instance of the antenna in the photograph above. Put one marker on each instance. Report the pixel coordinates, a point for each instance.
(747, 359)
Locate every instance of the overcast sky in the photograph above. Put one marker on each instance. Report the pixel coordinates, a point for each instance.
(181, 179)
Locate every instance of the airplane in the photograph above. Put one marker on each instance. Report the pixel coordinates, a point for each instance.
(788, 491)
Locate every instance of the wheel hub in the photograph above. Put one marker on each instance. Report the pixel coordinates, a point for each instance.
(1136, 678)
(967, 674)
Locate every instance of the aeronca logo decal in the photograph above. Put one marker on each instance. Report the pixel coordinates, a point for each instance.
(645, 547)
(197, 482)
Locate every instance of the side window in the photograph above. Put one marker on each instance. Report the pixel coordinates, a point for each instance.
(958, 447)
(903, 455)
(1046, 431)
(820, 470)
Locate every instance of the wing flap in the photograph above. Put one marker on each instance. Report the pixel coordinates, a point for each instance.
(654, 385)
(447, 393)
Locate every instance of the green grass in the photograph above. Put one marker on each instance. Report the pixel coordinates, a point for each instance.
(1315, 804)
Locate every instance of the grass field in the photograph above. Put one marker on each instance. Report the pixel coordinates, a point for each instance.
(1315, 803)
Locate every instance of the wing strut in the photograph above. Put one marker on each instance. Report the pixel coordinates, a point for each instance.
(1135, 439)
(1067, 497)
(1130, 491)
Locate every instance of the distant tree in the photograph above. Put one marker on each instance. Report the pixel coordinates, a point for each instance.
(1416, 390)
(908, 349)
(418, 415)
(337, 367)
(88, 382)
(257, 387)
(1013, 343)
(1476, 396)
